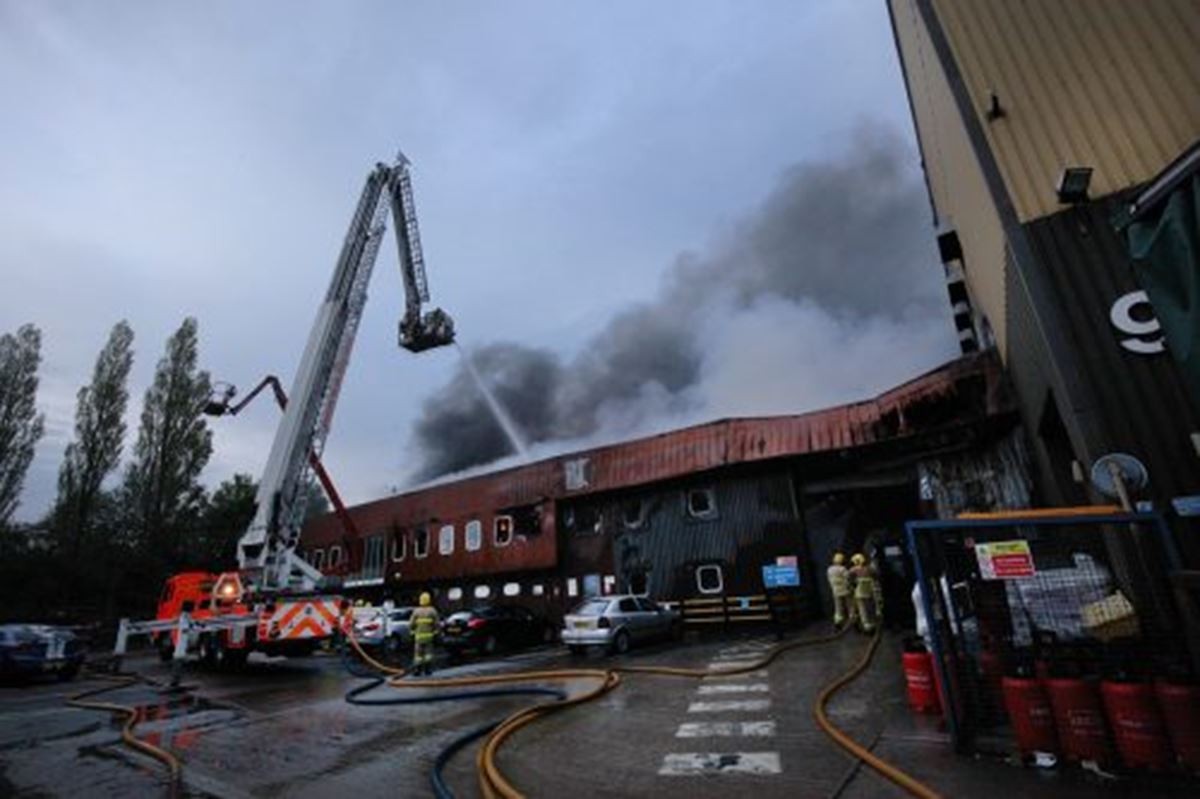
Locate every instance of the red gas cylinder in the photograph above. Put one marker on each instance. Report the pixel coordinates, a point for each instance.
(1180, 706)
(1136, 724)
(1079, 718)
(922, 689)
(1030, 713)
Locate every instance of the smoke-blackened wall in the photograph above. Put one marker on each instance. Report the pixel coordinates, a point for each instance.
(827, 292)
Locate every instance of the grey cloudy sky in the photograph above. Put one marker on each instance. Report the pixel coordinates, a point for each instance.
(163, 159)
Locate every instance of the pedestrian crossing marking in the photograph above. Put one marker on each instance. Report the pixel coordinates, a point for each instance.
(684, 764)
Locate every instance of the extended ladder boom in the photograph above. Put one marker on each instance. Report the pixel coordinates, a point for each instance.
(267, 550)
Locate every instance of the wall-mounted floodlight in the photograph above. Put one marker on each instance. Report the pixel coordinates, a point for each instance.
(1073, 184)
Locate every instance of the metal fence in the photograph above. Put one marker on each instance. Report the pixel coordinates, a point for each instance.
(1035, 598)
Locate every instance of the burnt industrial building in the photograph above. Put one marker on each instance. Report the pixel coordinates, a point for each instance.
(697, 512)
(1061, 143)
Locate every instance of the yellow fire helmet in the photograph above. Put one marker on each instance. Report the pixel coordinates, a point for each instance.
(858, 559)
(838, 558)
(425, 599)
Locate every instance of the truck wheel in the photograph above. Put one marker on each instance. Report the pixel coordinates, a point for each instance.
(166, 650)
(620, 644)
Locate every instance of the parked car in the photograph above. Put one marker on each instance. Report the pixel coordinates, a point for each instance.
(29, 649)
(378, 626)
(490, 627)
(617, 623)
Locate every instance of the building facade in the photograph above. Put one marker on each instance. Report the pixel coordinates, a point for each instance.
(696, 513)
(1039, 122)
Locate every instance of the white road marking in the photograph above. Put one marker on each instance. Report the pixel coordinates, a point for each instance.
(727, 705)
(734, 688)
(730, 665)
(686, 764)
(761, 674)
(726, 729)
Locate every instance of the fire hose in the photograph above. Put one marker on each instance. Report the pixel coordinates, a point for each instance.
(493, 783)
(133, 717)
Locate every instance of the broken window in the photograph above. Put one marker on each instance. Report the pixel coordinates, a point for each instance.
(421, 542)
(502, 530)
(633, 514)
(399, 545)
(702, 503)
(709, 579)
(318, 559)
(335, 556)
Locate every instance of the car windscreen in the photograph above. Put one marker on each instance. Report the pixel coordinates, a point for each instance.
(402, 615)
(593, 607)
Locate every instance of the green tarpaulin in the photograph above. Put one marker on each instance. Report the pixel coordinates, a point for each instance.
(1164, 243)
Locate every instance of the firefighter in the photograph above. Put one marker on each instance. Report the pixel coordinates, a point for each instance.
(839, 586)
(864, 591)
(424, 624)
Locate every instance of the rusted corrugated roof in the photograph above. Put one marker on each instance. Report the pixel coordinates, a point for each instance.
(905, 410)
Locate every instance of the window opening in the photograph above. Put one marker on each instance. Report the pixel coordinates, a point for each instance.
(399, 545)
(634, 514)
(446, 540)
(502, 530)
(454, 594)
(709, 579)
(474, 535)
(335, 555)
(701, 503)
(512, 589)
(482, 592)
(421, 543)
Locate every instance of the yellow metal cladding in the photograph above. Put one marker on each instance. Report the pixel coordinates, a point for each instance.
(956, 181)
(1110, 84)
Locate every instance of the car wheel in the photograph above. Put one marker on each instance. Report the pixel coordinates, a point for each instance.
(620, 644)
(489, 645)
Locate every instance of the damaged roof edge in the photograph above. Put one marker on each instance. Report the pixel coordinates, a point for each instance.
(911, 407)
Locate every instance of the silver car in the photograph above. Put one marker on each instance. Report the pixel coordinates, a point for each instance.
(618, 622)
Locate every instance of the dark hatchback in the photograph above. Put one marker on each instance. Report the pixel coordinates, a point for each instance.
(488, 628)
(27, 650)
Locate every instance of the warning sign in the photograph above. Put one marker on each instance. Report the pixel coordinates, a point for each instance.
(1004, 560)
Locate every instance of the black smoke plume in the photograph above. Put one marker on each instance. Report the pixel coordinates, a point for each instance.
(827, 289)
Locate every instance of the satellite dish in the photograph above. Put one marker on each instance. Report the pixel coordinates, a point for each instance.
(1131, 470)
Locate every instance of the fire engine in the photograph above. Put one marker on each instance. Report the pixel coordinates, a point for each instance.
(276, 602)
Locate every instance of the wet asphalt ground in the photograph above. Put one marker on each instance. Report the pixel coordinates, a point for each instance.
(282, 728)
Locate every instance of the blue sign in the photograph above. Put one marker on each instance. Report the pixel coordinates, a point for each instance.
(781, 576)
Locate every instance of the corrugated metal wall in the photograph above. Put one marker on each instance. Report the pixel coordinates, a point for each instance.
(1111, 84)
(755, 522)
(957, 187)
(1140, 399)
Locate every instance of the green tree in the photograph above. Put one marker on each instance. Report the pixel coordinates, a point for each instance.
(162, 494)
(99, 439)
(228, 513)
(20, 424)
